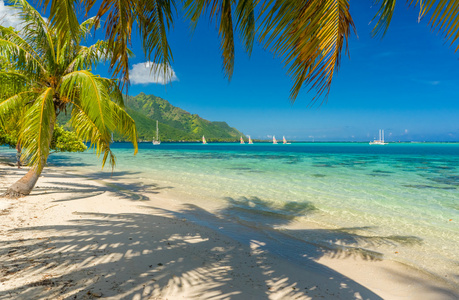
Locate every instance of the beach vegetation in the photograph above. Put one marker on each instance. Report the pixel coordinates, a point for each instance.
(308, 35)
(62, 141)
(47, 71)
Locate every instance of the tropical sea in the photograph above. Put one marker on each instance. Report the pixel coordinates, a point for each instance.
(399, 201)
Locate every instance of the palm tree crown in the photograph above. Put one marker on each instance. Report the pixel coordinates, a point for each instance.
(48, 71)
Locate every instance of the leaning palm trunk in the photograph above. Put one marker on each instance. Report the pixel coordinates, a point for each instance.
(25, 185)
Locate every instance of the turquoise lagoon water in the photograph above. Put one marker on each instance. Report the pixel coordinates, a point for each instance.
(399, 201)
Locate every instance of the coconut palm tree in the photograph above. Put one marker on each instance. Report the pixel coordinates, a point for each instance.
(47, 72)
(308, 34)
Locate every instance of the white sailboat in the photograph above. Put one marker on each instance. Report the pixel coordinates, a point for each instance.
(204, 140)
(285, 141)
(157, 141)
(380, 141)
(274, 140)
(250, 140)
(242, 140)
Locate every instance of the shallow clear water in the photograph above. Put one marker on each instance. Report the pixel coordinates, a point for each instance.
(399, 201)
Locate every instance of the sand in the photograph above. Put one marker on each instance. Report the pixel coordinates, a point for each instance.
(78, 237)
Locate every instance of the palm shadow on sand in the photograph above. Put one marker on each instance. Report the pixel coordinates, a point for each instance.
(135, 256)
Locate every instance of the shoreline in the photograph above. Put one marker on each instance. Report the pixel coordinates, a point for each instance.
(98, 237)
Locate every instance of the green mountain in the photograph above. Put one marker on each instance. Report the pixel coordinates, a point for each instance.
(175, 124)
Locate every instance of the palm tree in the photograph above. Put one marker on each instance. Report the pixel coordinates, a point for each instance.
(47, 71)
(308, 34)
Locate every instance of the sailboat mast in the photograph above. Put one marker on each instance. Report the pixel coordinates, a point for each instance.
(157, 131)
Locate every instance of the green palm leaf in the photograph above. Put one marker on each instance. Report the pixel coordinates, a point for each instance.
(310, 36)
(444, 16)
(36, 31)
(92, 95)
(88, 130)
(222, 12)
(63, 18)
(11, 104)
(37, 129)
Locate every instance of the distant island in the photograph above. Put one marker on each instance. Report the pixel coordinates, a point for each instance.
(175, 124)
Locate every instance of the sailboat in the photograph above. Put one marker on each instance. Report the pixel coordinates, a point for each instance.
(250, 140)
(204, 140)
(157, 141)
(381, 139)
(274, 140)
(285, 141)
(242, 140)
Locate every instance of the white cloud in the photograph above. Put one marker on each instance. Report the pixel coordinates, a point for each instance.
(9, 16)
(143, 73)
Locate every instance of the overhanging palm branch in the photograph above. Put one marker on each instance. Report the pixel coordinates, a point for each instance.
(444, 16)
(153, 17)
(310, 36)
(222, 12)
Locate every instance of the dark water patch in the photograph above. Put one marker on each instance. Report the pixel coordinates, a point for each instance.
(323, 166)
(445, 167)
(449, 180)
(294, 161)
(383, 172)
(240, 168)
(378, 175)
(425, 186)
(318, 175)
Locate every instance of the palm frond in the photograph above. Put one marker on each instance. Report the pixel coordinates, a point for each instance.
(384, 16)
(35, 29)
(36, 132)
(13, 103)
(90, 92)
(246, 22)
(12, 83)
(87, 57)
(310, 36)
(118, 29)
(63, 18)
(19, 52)
(88, 130)
(13, 36)
(154, 18)
(221, 11)
(444, 16)
(125, 125)
(86, 27)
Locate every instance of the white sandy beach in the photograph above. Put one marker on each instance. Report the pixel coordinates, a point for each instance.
(80, 237)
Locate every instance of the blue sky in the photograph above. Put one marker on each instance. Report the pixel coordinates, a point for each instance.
(406, 83)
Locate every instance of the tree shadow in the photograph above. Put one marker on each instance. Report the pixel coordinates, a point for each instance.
(98, 183)
(335, 243)
(130, 191)
(136, 256)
